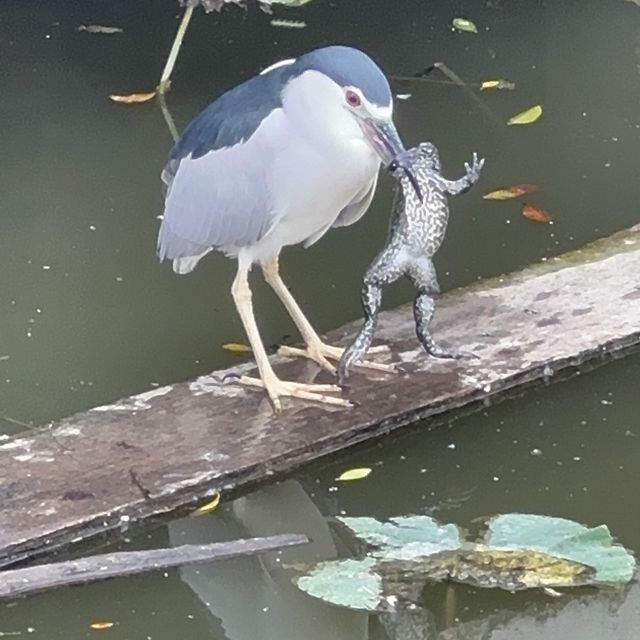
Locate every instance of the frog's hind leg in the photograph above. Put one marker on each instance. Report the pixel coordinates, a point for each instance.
(423, 275)
(387, 268)
(316, 349)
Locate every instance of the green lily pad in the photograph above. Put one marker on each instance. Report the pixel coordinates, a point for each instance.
(347, 583)
(562, 538)
(405, 537)
(519, 551)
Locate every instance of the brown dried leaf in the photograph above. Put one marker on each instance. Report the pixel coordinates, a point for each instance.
(134, 98)
(507, 193)
(534, 213)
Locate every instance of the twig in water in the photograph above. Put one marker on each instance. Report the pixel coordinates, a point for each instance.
(165, 79)
(26, 425)
(136, 481)
(168, 118)
(453, 78)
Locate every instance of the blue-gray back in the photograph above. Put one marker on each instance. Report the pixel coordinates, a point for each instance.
(236, 114)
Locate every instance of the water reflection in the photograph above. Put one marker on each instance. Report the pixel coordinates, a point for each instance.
(254, 597)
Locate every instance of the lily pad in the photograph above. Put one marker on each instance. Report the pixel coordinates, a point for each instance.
(347, 583)
(519, 551)
(421, 534)
(562, 538)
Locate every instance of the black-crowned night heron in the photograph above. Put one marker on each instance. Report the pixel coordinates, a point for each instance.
(275, 161)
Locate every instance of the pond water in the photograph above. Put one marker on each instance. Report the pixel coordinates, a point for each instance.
(87, 315)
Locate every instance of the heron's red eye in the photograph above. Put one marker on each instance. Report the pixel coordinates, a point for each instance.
(353, 99)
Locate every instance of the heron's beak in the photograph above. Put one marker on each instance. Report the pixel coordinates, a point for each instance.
(384, 138)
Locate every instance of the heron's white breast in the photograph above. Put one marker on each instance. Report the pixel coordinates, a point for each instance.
(321, 160)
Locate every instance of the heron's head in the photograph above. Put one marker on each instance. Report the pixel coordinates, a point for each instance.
(346, 91)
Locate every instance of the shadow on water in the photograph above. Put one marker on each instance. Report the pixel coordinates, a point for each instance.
(87, 315)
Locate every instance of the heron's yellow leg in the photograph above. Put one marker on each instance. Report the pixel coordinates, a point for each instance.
(316, 349)
(268, 380)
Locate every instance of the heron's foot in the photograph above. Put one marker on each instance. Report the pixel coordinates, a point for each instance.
(321, 352)
(277, 389)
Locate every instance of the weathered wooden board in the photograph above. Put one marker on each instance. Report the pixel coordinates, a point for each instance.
(41, 577)
(150, 453)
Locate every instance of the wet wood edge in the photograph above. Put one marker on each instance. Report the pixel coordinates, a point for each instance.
(30, 580)
(156, 452)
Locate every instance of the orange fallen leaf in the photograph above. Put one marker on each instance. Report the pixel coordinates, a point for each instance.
(535, 214)
(506, 193)
(134, 98)
(101, 625)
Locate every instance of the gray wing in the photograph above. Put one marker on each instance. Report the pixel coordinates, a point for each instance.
(215, 200)
(216, 183)
(350, 214)
(358, 206)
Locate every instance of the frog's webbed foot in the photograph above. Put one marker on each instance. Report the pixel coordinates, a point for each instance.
(474, 169)
(436, 351)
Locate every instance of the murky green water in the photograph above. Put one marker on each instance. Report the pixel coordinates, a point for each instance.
(87, 315)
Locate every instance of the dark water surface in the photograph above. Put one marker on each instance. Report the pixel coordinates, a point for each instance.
(87, 315)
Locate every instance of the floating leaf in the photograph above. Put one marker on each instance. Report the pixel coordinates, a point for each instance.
(98, 28)
(526, 117)
(134, 98)
(462, 24)
(207, 508)
(497, 84)
(354, 474)
(517, 552)
(565, 539)
(236, 347)
(420, 534)
(288, 24)
(507, 193)
(348, 583)
(534, 213)
(101, 625)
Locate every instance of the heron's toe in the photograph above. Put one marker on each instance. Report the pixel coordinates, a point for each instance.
(277, 389)
(313, 354)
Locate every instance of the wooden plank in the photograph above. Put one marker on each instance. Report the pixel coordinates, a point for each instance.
(19, 582)
(149, 454)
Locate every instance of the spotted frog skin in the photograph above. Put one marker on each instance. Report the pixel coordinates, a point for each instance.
(416, 231)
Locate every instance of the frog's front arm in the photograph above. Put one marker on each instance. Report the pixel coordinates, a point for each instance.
(472, 174)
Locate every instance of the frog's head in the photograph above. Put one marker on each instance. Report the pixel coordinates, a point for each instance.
(403, 165)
